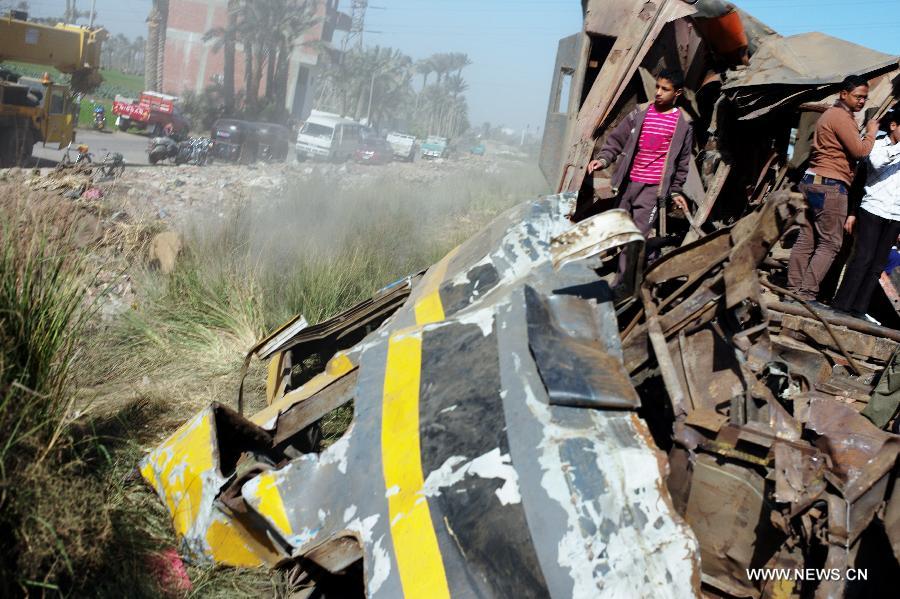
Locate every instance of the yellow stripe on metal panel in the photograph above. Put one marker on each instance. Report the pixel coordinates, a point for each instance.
(270, 504)
(228, 546)
(428, 307)
(274, 377)
(177, 468)
(419, 559)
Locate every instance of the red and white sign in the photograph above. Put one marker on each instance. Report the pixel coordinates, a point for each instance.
(135, 112)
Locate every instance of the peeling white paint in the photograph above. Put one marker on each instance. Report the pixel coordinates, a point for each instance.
(349, 513)
(363, 527)
(450, 409)
(493, 464)
(381, 567)
(337, 453)
(627, 552)
(392, 491)
(462, 277)
(484, 318)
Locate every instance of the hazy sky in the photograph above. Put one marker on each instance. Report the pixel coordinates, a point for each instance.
(512, 43)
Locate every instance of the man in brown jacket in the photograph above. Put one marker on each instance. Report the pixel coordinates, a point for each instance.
(836, 148)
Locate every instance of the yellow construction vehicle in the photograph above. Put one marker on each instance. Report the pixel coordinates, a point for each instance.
(42, 110)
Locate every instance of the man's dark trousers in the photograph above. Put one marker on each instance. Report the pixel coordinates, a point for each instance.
(821, 237)
(874, 237)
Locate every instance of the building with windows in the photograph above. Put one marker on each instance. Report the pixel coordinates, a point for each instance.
(178, 60)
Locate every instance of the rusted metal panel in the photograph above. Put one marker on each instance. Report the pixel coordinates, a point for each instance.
(565, 95)
(808, 59)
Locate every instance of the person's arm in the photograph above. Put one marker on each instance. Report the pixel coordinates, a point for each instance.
(682, 163)
(848, 135)
(615, 141)
(884, 155)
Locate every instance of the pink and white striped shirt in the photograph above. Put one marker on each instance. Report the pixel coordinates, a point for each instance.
(653, 145)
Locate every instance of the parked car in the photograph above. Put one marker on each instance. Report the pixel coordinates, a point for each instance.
(327, 136)
(272, 141)
(404, 146)
(477, 150)
(374, 150)
(435, 147)
(234, 141)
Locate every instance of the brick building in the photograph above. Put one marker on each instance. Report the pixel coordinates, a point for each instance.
(179, 60)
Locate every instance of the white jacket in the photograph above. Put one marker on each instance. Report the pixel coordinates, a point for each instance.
(883, 182)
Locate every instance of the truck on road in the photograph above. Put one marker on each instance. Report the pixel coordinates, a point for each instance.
(403, 145)
(152, 110)
(435, 147)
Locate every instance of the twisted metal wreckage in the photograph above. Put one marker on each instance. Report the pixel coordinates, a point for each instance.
(517, 432)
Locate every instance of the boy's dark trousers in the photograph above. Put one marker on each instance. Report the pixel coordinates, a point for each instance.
(641, 201)
(874, 237)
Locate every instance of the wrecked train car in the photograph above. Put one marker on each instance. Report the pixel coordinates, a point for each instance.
(514, 433)
(754, 97)
(517, 430)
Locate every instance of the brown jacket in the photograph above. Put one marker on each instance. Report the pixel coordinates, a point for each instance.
(624, 140)
(837, 146)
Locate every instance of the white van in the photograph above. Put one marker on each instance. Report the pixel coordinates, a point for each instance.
(328, 136)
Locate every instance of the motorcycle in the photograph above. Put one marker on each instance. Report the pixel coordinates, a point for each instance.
(162, 148)
(166, 148)
(200, 147)
(99, 118)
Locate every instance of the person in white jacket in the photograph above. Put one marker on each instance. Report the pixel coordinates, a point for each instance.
(876, 223)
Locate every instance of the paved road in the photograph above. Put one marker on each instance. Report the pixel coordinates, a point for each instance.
(133, 147)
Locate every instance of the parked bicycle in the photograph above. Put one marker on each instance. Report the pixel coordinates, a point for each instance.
(82, 155)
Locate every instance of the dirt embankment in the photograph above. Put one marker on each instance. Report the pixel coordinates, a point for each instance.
(115, 220)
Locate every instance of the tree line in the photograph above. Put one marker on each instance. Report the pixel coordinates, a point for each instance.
(268, 32)
(379, 84)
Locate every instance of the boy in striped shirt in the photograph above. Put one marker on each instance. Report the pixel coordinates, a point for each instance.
(655, 145)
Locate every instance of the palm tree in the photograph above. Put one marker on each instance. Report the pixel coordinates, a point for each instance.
(459, 61)
(269, 31)
(294, 19)
(424, 68)
(223, 38)
(441, 64)
(456, 85)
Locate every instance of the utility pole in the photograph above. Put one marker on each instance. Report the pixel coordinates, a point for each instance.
(354, 37)
(371, 92)
(93, 12)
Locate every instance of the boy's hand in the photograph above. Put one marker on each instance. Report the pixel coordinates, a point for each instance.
(848, 224)
(681, 203)
(594, 165)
